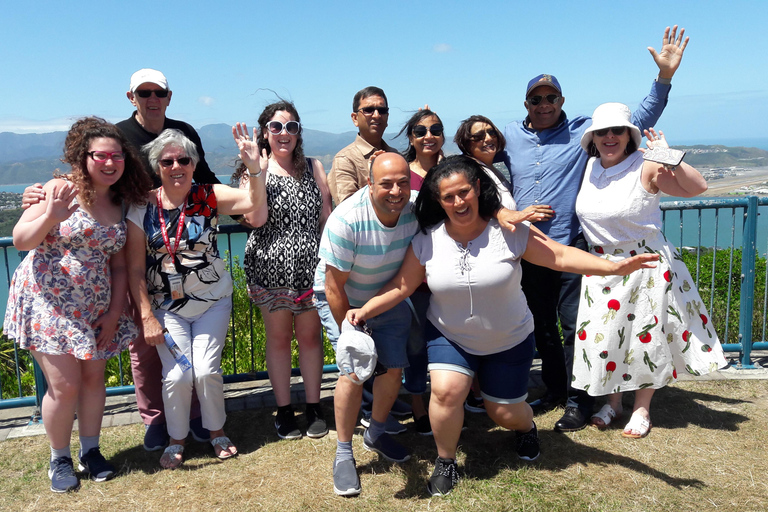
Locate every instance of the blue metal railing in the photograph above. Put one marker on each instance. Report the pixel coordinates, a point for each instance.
(745, 230)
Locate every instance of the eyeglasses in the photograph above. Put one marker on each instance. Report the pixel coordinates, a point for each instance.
(159, 93)
(420, 130)
(103, 156)
(276, 127)
(477, 137)
(553, 99)
(616, 130)
(168, 162)
(383, 111)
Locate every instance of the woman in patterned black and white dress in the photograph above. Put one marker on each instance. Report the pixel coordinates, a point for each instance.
(280, 261)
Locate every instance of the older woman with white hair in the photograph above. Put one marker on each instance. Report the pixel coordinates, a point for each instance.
(182, 288)
(635, 333)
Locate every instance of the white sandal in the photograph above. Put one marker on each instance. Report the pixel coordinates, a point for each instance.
(606, 415)
(637, 423)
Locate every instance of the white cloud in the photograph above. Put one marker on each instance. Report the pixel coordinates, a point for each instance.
(442, 48)
(206, 100)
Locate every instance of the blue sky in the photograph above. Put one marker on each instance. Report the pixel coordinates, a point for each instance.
(62, 60)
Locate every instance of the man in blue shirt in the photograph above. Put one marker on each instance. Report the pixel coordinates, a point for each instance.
(546, 165)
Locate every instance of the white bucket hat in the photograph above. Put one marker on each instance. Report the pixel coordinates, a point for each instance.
(609, 115)
(355, 353)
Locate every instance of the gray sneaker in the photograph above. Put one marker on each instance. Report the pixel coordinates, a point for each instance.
(62, 475)
(391, 426)
(386, 447)
(345, 479)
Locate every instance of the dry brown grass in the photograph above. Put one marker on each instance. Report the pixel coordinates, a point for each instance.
(707, 451)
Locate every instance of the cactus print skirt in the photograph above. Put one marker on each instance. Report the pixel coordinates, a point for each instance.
(640, 331)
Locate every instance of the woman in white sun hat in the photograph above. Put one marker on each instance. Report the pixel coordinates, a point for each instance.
(635, 333)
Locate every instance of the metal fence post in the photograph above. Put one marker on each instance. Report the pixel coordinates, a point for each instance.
(748, 255)
(41, 387)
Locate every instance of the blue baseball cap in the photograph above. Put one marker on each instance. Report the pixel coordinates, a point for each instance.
(540, 80)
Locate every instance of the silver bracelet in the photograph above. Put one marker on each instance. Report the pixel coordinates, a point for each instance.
(255, 175)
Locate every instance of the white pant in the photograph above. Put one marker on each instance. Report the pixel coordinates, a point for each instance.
(201, 338)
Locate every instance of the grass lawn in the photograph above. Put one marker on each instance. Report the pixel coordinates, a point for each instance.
(707, 451)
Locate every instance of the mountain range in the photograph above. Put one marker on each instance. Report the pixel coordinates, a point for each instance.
(29, 158)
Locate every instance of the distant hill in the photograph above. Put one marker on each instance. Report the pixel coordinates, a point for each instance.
(27, 158)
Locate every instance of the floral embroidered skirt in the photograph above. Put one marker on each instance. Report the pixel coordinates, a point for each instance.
(640, 330)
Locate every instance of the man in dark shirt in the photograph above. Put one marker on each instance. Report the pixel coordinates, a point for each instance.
(150, 94)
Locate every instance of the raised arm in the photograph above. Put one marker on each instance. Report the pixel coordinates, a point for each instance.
(672, 48)
(238, 201)
(38, 219)
(545, 252)
(680, 181)
(408, 278)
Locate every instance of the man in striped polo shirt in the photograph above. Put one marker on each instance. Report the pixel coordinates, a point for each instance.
(361, 249)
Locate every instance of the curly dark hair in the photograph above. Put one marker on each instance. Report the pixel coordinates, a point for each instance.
(299, 161)
(465, 131)
(410, 152)
(133, 185)
(429, 212)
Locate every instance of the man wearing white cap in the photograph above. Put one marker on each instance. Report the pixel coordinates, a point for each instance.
(150, 94)
(546, 164)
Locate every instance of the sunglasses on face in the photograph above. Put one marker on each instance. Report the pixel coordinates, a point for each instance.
(291, 127)
(551, 98)
(477, 137)
(370, 110)
(616, 130)
(103, 156)
(159, 93)
(420, 130)
(168, 162)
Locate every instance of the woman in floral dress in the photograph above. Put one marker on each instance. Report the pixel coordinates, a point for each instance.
(67, 298)
(635, 333)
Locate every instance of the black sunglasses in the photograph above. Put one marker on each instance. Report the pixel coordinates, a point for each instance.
(159, 93)
(551, 98)
(616, 130)
(168, 162)
(276, 127)
(477, 137)
(370, 110)
(420, 130)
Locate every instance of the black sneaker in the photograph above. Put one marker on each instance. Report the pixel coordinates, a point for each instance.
(96, 465)
(386, 447)
(528, 444)
(316, 425)
(155, 437)
(423, 426)
(444, 478)
(286, 425)
(474, 404)
(62, 475)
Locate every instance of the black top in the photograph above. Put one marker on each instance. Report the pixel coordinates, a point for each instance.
(138, 136)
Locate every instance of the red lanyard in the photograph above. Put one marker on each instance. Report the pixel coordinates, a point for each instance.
(179, 228)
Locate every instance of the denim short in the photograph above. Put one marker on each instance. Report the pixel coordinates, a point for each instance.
(389, 331)
(503, 375)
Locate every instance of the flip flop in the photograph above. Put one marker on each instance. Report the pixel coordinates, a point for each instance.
(637, 423)
(172, 456)
(223, 447)
(604, 417)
